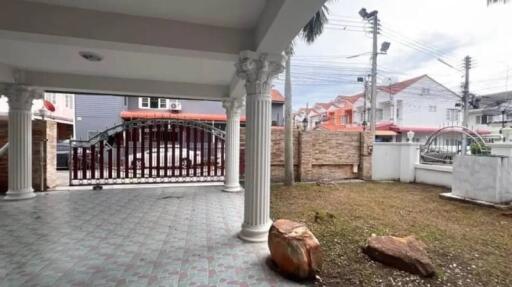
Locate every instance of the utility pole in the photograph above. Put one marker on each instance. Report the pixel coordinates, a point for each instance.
(375, 53)
(465, 97)
(373, 19)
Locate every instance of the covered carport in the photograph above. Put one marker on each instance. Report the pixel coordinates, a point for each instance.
(223, 50)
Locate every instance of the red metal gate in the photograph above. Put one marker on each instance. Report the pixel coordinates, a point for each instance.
(149, 151)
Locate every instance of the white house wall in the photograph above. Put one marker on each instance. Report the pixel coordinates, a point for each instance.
(416, 106)
(63, 113)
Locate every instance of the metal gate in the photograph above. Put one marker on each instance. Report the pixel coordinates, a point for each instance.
(149, 151)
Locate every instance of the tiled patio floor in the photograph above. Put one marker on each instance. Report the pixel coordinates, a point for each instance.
(183, 236)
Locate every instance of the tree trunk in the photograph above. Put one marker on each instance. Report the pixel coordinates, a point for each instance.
(288, 127)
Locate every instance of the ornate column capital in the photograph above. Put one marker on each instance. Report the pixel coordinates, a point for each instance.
(20, 97)
(233, 105)
(258, 71)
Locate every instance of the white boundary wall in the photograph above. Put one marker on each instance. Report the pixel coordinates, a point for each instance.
(483, 178)
(400, 161)
(480, 178)
(434, 174)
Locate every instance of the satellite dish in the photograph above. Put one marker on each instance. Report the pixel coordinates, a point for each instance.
(49, 106)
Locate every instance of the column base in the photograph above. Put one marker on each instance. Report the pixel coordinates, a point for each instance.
(19, 195)
(255, 234)
(233, 188)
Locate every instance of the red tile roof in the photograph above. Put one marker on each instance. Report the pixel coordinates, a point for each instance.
(277, 97)
(351, 99)
(400, 86)
(324, 106)
(393, 89)
(130, 115)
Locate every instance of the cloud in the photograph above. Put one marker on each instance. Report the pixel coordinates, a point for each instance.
(453, 28)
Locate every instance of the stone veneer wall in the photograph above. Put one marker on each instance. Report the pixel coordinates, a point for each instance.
(40, 130)
(322, 155)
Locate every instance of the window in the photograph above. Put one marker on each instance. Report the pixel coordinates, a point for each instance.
(68, 101)
(144, 103)
(432, 109)
(399, 105)
(50, 98)
(125, 101)
(425, 91)
(478, 120)
(152, 103)
(344, 119)
(486, 119)
(452, 115)
(380, 114)
(359, 114)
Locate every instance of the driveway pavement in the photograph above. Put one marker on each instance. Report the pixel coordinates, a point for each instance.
(162, 236)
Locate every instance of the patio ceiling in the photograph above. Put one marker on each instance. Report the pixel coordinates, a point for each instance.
(184, 49)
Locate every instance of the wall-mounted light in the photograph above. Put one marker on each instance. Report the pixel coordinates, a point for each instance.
(91, 56)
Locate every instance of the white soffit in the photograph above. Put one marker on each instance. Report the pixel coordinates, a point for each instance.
(226, 13)
(122, 64)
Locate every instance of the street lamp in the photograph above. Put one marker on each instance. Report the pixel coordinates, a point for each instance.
(384, 47)
(365, 15)
(305, 123)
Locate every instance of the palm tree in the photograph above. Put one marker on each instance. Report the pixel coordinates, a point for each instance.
(310, 32)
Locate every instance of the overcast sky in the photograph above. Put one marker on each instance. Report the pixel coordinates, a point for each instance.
(420, 32)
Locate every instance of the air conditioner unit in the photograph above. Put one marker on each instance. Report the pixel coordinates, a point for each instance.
(175, 106)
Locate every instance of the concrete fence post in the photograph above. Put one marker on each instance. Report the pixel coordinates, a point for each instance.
(409, 157)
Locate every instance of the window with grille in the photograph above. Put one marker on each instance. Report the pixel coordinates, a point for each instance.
(152, 103)
(452, 115)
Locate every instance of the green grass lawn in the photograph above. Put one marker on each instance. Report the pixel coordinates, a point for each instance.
(469, 245)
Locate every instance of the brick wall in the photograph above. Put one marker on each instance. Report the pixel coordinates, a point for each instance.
(41, 130)
(326, 155)
(322, 155)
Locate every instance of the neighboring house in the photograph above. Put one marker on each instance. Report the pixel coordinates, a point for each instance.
(494, 112)
(63, 114)
(307, 118)
(420, 104)
(95, 113)
(339, 117)
(277, 108)
(92, 118)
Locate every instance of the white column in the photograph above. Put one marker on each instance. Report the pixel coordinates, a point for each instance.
(20, 140)
(233, 108)
(258, 72)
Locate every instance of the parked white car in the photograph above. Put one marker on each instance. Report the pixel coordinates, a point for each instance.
(184, 162)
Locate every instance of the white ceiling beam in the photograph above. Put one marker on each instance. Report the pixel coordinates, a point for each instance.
(73, 83)
(6, 73)
(65, 25)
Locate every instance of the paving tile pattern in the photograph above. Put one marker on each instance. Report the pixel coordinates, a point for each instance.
(147, 237)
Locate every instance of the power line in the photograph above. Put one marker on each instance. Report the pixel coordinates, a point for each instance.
(420, 49)
(420, 44)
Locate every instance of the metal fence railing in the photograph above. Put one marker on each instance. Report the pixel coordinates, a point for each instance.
(156, 151)
(444, 144)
